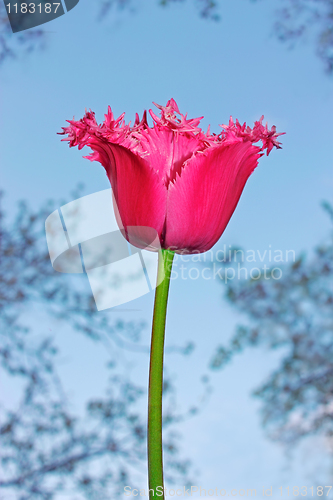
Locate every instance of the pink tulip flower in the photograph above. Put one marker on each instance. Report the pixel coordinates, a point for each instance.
(172, 177)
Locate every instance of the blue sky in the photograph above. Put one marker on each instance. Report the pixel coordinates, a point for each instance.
(233, 67)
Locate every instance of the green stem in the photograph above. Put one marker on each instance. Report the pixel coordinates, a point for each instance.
(155, 457)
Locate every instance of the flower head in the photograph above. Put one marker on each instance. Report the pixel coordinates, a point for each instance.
(173, 180)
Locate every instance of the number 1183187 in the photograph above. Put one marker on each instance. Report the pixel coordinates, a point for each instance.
(295, 491)
(32, 8)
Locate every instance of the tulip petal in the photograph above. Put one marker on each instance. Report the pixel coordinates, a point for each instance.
(167, 151)
(172, 181)
(203, 198)
(139, 195)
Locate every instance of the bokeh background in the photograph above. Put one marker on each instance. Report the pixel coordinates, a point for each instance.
(235, 66)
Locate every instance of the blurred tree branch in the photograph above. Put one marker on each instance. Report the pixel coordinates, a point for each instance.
(15, 45)
(295, 18)
(45, 448)
(294, 313)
